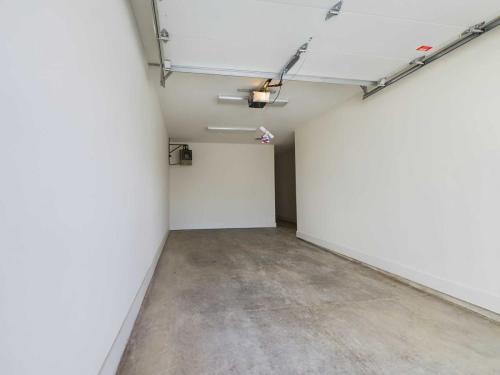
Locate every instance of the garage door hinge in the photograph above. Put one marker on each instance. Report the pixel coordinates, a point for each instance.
(334, 11)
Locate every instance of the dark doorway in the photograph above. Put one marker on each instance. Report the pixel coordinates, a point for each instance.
(284, 174)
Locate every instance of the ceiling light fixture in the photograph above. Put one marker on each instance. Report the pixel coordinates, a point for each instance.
(229, 129)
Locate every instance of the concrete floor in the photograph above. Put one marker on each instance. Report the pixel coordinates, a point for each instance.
(259, 301)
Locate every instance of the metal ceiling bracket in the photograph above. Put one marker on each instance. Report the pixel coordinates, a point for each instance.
(468, 35)
(162, 37)
(303, 47)
(295, 58)
(418, 61)
(476, 29)
(382, 82)
(335, 10)
(166, 68)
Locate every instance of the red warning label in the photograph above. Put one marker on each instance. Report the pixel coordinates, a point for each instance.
(424, 48)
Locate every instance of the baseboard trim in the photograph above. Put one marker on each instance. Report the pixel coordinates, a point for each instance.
(112, 361)
(223, 226)
(474, 300)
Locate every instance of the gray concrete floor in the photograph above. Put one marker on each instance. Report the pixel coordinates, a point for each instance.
(259, 301)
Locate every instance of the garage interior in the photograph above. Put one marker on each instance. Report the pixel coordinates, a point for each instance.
(250, 187)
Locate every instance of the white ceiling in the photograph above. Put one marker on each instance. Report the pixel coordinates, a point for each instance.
(190, 105)
(367, 41)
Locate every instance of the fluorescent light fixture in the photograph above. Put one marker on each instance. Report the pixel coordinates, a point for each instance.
(261, 96)
(240, 99)
(229, 129)
(225, 98)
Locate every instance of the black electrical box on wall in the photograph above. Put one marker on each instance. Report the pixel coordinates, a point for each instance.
(185, 157)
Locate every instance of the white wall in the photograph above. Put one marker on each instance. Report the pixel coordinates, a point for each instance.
(286, 208)
(409, 180)
(228, 186)
(83, 192)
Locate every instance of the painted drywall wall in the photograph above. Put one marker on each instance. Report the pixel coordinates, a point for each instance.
(409, 180)
(284, 166)
(228, 186)
(84, 180)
